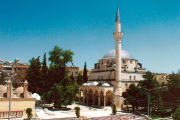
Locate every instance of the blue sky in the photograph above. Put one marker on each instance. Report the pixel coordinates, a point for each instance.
(151, 28)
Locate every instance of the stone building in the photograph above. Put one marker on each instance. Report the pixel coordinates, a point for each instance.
(112, 75)
(20, 100)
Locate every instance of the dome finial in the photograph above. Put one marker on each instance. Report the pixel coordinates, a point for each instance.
(117, 15)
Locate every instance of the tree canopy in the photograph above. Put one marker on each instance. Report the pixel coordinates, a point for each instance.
(54, 84)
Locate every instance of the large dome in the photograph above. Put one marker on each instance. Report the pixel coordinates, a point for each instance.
(112, 54)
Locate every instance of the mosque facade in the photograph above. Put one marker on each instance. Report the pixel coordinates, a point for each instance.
(112, 75)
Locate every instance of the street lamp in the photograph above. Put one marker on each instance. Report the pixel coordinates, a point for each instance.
(9, 116)
(149, 90)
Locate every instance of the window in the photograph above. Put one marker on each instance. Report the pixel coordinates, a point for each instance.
(130, 77)
(98, 77)
(19, 75)
(19, 69)
(19, 80)
(124, 61)
(101, 77)
(134, 77)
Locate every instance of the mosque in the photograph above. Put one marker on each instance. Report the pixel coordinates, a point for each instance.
(112, 75)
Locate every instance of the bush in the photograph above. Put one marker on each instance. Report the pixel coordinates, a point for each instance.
(77, 112)
(176, 114)
(29, 112)
(162, 111)
(114, 109)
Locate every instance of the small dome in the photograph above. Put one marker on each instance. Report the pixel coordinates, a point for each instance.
(94, 83)
(35, 95)
(3, 89)
(105, 84)
(88, 83)
(84, 84)
(100, 84)
(112, 54)
(19, 90)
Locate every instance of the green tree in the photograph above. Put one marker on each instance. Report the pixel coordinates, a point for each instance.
(2, 76)
(45, 79)
(172, 97)
(135, 96)
(77, 112)
(152, 84)
(114, 109)
(59, 59)
(59, 78)
(55, 95)
(85, 77)
(29, 113)
(79, 78)
(34, 76)
(63, 94)
(176, 114)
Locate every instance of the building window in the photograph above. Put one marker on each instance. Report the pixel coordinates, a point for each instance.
(98, 77)
(124, 61)
(134, 77)
(19, 80)
(101, 77)
(19, 69)
(130, 77)
(19, 75)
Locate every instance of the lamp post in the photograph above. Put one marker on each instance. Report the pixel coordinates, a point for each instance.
(149, 90)
(9, 116)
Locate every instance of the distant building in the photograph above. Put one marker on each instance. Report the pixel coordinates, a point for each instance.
(73, 70)
(18, 70)
(20, 100)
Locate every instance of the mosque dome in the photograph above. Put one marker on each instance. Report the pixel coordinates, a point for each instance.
(112, 54)
(19, 90)
(84, 84)
(94, 83)
(35, 95)
(105, 84)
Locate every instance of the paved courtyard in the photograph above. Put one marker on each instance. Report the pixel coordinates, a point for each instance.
(86, 112)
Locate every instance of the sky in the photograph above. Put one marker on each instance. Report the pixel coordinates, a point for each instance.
(151, 30)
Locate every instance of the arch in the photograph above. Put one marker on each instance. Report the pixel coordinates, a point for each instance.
(108, 98)
(90, 97)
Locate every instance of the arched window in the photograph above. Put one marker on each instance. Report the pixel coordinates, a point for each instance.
(134, 77)
(130, 77)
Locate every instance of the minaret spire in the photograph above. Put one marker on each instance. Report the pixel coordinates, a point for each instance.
(117, 15)
(118, 36)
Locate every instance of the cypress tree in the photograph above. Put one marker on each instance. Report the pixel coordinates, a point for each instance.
(85, 78)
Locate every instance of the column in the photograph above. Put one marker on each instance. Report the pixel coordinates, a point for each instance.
(98, 100)
(88, 99)
(84, 96)
(104, 101)
(93, 99)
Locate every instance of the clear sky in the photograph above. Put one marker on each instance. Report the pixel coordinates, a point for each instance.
(151, 28)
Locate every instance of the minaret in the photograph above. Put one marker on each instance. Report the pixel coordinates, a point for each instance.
(118, 36)
(117, 87)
